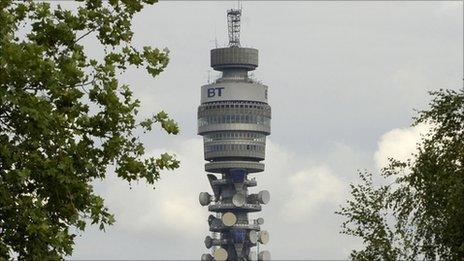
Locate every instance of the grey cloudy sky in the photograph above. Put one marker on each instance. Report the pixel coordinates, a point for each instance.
(343, 80)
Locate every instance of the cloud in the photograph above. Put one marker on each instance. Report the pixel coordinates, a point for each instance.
(299, 184)
(301, 190)
(400, 144)
(325, 124)
(306, 190)
(309, 189)
(172, 207)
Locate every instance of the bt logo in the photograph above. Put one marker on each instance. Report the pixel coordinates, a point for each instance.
(213, 91)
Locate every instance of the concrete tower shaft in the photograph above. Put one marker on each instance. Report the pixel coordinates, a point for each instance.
(234, 120)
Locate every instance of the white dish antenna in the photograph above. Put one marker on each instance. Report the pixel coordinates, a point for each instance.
(263, 237)
(253, 236)
(229, 219)
(208, 242)
(264, 255)
(204, 198)
(206, 257)
(264, 196)
(239, 199)
(220, 254)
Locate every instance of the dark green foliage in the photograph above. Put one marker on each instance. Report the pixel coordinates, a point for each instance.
(420, 214)
(65, 118)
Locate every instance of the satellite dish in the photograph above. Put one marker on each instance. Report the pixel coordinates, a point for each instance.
(204, 198)
(264, 255)
(264, 196)
(260, 221)
(208, 242)
(229, 219)
(220, 254)
(239, 199)
(213, 221)
(253, 236)
(263, 237)
(252, 256)
(206, 257)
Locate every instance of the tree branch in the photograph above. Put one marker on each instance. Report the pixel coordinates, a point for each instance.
(84, 35)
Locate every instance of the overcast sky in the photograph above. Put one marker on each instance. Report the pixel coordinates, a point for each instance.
(343, 77)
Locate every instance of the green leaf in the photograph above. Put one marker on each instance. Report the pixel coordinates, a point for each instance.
(66, 117)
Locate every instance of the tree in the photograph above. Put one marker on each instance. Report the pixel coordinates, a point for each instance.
(418, 212)
(65, 118)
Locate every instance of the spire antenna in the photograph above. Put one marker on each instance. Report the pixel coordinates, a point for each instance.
(233, 25)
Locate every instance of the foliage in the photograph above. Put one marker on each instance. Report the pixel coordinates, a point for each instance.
(421, 213)
(65, 118)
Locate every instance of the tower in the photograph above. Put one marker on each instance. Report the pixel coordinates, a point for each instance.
(234, 120)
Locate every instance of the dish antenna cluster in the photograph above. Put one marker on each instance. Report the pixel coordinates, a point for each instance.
(234, 120)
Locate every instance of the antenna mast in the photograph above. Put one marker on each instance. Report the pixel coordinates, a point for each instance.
(233, 25)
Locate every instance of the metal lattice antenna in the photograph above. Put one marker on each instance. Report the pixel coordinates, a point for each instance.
(233, 25)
